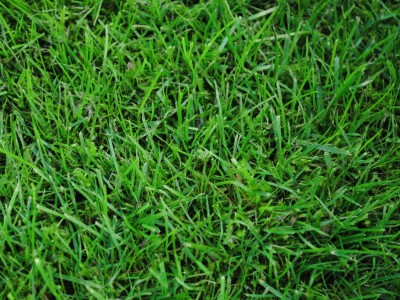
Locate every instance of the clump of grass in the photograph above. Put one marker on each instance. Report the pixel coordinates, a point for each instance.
(199, 149)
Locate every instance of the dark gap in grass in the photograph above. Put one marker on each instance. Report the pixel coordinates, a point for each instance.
(68, 287)
(110, 6)
(143, 141)
(301, 45)
(3, 163)
(270, 147)
(191, 2)
(230, 193)
(10, 20)
(194, 210)
(326, 29)
(162, 140)
(208, 87)
(170, 16)
(79, 198)
(6, 246)
(256, 5)
(192, 36)
(7, 106)
(49, 296)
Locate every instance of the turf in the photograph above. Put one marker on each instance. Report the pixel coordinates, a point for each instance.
(199, 149)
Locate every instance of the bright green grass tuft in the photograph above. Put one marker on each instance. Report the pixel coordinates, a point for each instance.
(213, 150)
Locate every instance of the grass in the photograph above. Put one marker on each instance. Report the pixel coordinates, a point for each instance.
(199, 149)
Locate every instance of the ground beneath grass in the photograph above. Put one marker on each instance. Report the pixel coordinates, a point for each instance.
(199, 149)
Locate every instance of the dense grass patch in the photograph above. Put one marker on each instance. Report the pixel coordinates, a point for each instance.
(199, 149)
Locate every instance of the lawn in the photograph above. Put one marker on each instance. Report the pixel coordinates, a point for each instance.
(212, 149)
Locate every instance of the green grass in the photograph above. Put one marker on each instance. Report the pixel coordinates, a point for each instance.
(213, 150)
